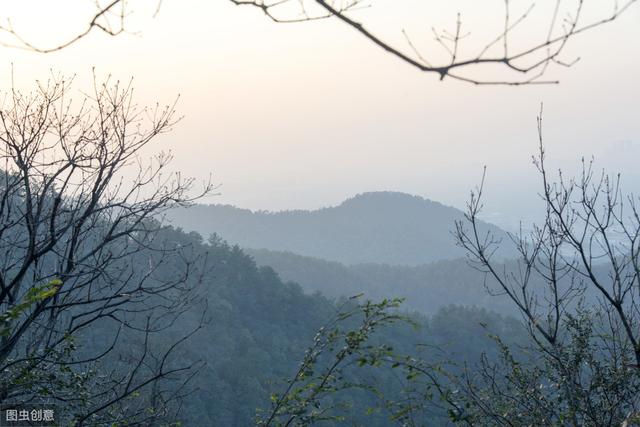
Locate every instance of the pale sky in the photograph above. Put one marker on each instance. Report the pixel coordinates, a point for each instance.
(306, 115)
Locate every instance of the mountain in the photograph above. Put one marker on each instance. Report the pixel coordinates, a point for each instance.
(257, 328)
(378, 227)
(426, 288)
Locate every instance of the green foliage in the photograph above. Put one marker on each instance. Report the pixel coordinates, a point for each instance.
(308, 398)
(34, 295)
(580, 380)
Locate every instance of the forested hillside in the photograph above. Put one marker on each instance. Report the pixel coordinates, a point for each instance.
(379, 227)
(257, 328)
(426, 287)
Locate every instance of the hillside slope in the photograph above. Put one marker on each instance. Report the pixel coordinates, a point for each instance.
(379, 227)
(426, 288)
(257, 328)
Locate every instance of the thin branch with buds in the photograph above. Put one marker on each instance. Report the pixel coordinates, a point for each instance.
(524, 66)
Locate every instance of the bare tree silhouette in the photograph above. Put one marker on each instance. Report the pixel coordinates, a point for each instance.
(523, 65)
(82, 254)
(576, 283)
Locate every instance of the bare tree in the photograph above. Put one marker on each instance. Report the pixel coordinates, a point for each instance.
(577, 285)
(520, 65)
(82, 254)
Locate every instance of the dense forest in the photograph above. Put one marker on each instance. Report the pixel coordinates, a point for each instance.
(258, 327)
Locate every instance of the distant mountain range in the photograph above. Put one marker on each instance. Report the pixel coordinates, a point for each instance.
(426, 288)
(378, 227)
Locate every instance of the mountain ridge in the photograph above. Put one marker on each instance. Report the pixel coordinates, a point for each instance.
(426, 288)
(350, 200)
(374, 227)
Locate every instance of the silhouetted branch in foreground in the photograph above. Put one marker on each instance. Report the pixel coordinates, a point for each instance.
(527, 64)
(88, 284)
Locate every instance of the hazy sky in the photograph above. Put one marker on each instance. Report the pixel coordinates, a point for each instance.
(305, 115)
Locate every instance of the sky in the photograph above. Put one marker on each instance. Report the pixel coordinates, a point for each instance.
(302, 116)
